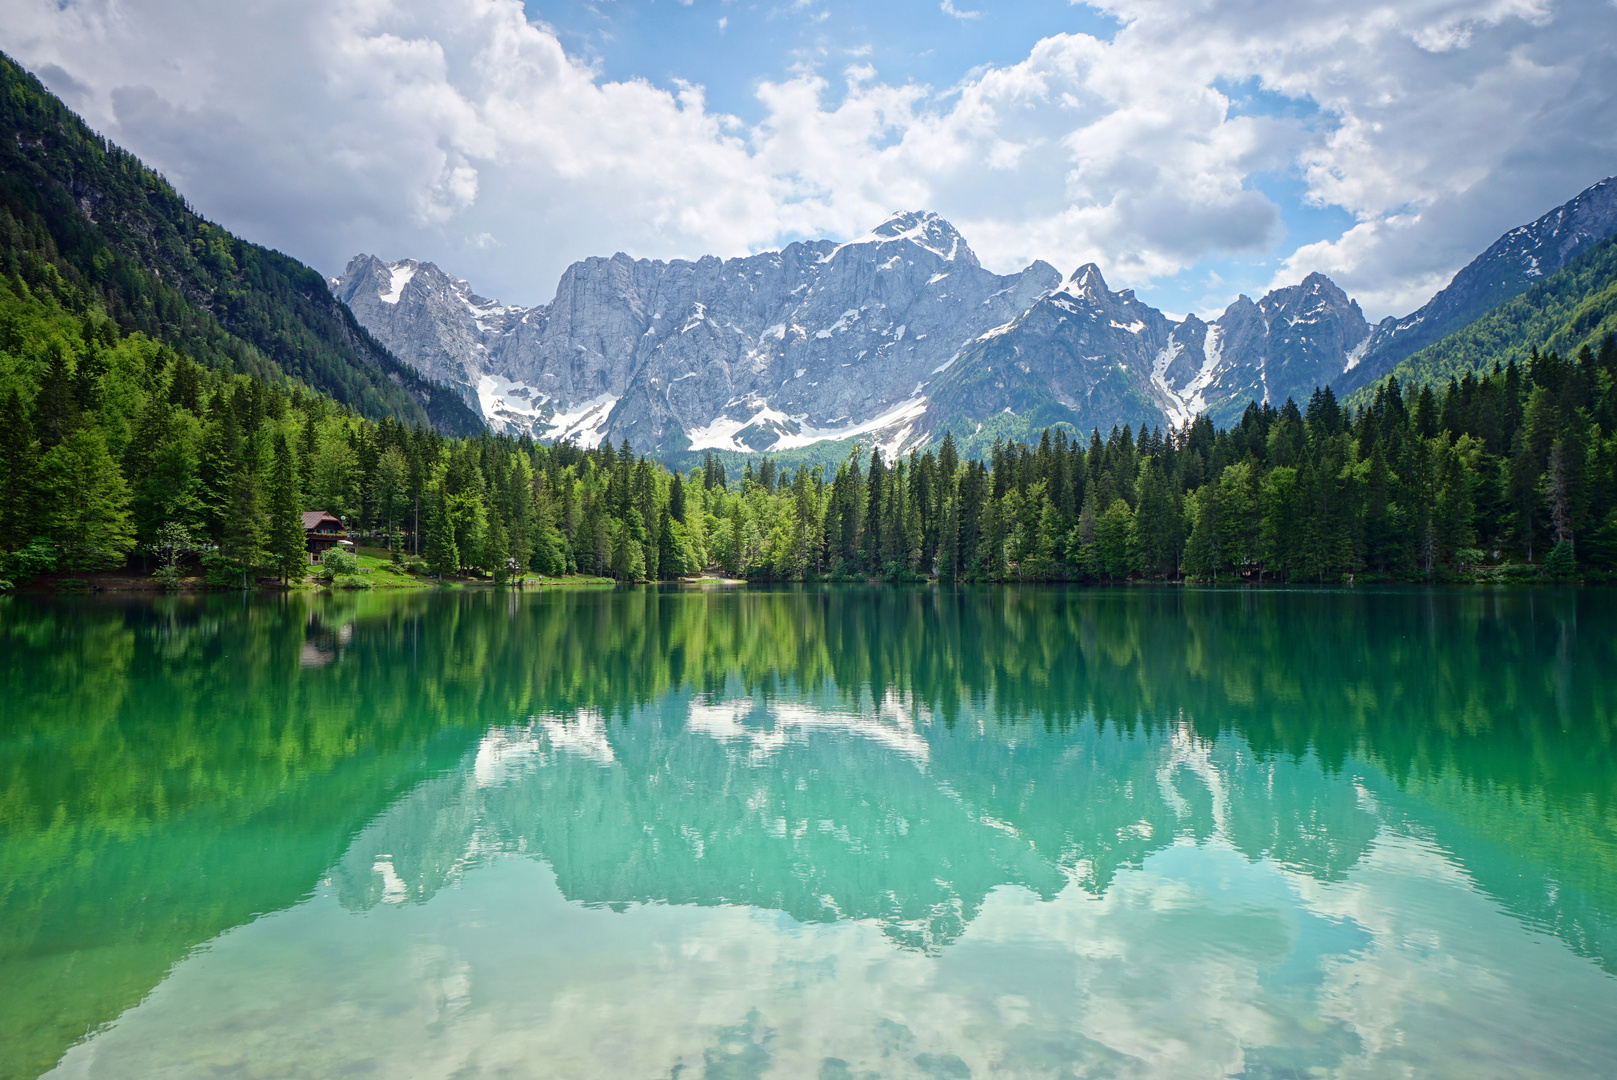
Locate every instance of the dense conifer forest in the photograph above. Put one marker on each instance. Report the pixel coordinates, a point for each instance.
(118, 451)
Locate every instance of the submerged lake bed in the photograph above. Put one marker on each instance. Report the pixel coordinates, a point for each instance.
(810, 832)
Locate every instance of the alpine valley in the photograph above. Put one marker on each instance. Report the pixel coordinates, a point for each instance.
(899, 335)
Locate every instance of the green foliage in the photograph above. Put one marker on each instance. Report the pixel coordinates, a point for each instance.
(1112, 538)
(89, 515)
(288, 549)
(35, 558)
(111, 437)
(443, 557)
(339, 562)
(172, 543)
(1559, 564)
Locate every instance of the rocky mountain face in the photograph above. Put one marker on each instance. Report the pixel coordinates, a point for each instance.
(896, 336)
(1511, 265)
(441, 326)
(773, 351)
(1094, 358)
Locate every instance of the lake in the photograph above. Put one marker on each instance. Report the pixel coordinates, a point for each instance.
(824, 833)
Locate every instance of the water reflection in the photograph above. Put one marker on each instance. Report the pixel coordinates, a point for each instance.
(1302, 821)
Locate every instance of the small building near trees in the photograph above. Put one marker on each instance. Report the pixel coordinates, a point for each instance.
(322, 532)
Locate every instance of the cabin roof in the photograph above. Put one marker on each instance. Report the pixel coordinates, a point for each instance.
(315, 518)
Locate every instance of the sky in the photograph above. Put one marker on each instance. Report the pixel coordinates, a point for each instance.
(1193, 150)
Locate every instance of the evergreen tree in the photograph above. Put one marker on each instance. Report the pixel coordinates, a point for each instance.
(1203, 548)
(443, 558)
(676, 499)
(1112, 535)
(499, 552)
(288, 545)
(89, 502)
(18, 455)
(1157, 525)
(670, 559)
(1083, 542)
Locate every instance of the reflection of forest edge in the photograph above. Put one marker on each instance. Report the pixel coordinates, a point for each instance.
(170, 769)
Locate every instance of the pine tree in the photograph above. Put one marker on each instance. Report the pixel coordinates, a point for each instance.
(676, 499)
(549, 545)
(1239, 515)
(499, 550)
(18, 456)
(669, 561)
(1279, 539)
(1083, 545)
(288, 543)
(628, 550)
(874, 516)
(443, 558)
(1157, 526)
(1112, 534)
(1202, 548)
(89, 500)
(390, 489)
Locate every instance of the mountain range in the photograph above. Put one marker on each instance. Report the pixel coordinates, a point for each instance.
(891, 338)
(898, 335)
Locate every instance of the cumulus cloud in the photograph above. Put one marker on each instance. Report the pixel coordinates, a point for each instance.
(457, 130)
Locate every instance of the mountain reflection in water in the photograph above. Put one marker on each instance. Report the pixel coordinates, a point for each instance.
(1303, 780)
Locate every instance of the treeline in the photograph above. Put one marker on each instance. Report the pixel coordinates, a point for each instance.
(1517, 467)
(116, 448)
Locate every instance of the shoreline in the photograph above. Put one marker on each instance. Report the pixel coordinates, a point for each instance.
(149, 586)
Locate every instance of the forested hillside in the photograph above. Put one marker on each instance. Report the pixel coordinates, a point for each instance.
(87, 223)
(1572, 308)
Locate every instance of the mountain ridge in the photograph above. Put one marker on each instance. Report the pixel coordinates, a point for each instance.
(1507, 268)
(707, 350)
(897, 335)
(604, 360)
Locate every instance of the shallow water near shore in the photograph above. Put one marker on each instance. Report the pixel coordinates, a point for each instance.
(810, 832)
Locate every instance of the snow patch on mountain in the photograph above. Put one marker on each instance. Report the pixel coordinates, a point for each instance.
(586, 424)
(399, 276)
(781, 431)
(510, 406)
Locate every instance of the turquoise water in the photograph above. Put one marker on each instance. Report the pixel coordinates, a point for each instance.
(811, 833)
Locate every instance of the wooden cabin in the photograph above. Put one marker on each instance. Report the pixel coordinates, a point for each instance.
(323, 532)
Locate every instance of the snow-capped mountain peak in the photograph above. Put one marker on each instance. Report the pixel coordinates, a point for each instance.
(1086, 281)
(926, 230)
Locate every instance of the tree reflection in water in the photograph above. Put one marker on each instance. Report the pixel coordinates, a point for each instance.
(173, 768)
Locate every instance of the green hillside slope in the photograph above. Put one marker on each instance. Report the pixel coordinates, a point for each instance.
(87, 222)
(1574, 307)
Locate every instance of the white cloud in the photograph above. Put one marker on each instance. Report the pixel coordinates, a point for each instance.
(460, 132)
